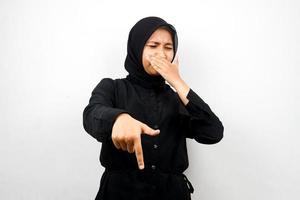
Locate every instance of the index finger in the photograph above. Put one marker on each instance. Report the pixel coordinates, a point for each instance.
(139, 153)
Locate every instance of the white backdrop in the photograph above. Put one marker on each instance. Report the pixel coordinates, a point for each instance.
(239, 56)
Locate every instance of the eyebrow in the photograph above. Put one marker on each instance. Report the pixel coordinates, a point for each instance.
(168, 43)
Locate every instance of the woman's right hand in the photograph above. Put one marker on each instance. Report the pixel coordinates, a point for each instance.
(126, 135)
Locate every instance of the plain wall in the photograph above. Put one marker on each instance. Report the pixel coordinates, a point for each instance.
(239, 56)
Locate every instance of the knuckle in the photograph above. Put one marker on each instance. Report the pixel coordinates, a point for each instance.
(135, 137)
(113, 137)
(120, 138)
(128, 138)
(125, 139)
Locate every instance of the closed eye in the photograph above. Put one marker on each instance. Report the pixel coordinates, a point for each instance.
(153, 46)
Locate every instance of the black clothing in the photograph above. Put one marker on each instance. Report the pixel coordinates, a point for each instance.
(165, 155)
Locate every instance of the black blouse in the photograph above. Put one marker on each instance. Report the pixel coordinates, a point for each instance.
(165, 155)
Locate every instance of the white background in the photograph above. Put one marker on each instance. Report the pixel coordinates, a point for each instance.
(239, 56)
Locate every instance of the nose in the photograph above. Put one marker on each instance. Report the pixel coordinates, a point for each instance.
(161, 53)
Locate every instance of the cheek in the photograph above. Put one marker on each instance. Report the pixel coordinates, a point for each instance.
(146, 53)
(146, 62)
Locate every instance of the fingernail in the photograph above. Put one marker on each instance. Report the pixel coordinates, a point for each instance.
(141, 166)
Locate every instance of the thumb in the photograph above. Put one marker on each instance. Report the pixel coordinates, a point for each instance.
(149, 131)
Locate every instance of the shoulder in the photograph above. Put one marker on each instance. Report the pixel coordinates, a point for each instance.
(105, 84)
(122, 83)
(110, 84)
(106, 81)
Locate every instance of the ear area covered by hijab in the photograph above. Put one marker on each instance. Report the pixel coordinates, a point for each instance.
(138, 36)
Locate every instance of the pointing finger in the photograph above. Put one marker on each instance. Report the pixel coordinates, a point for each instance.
(139, 153)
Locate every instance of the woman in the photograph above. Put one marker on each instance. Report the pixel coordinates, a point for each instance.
(143, 123)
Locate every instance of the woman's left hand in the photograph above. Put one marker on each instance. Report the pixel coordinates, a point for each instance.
(169, 71)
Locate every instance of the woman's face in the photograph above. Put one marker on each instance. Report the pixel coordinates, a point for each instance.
(160, 44)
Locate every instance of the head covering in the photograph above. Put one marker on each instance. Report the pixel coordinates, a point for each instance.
(138, 36)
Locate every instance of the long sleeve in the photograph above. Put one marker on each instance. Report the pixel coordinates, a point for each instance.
(100, 114)
(200, 122)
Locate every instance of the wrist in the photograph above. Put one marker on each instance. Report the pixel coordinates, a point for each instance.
(180, 85)
(177, 82)
(122, 115)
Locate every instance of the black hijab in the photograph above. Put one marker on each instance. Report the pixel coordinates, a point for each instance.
(138, 36)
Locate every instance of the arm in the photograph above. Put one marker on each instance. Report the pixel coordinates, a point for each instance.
(100, 114)
(201, 123)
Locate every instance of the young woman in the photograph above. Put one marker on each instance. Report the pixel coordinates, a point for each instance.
(143, 123)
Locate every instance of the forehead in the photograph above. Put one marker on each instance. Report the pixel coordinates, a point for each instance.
(161, 35)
